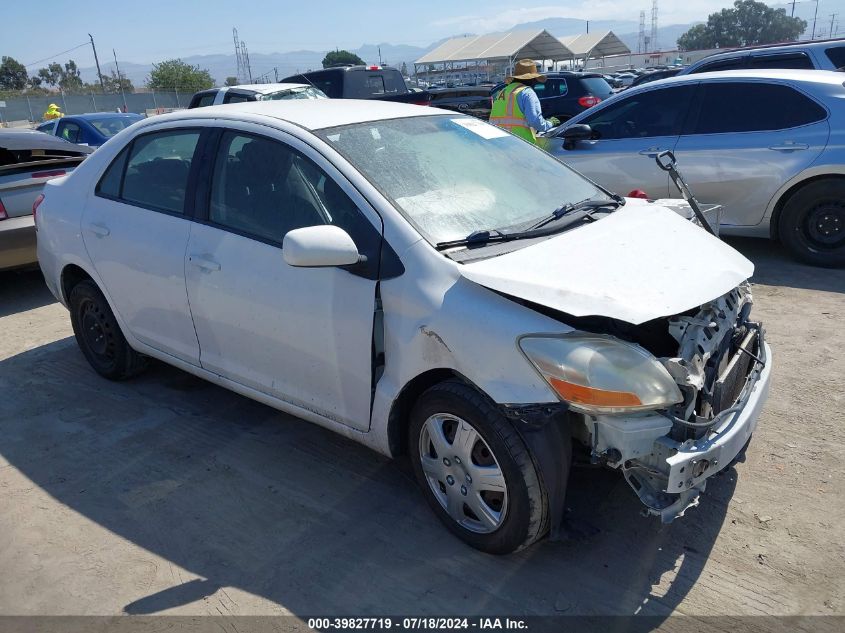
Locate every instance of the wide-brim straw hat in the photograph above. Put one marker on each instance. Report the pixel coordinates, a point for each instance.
(525, 69)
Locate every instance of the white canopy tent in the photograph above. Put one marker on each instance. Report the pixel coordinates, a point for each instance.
(593, 45)
(499, 49)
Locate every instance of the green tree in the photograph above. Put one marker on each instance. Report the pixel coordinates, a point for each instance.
(114, 84)
(231, 81)
(176, 75)
(404, 69)
(333, 58)
(13, 75)
(66, 77)
(748, 23)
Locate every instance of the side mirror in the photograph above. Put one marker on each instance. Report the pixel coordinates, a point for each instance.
(573, 133)
(320, 246)
(579, 132)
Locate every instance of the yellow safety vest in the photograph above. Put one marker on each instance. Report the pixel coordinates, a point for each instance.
(507, 114)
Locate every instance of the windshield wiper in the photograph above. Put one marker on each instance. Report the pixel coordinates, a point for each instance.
(476, 238)
(487, 236)
(566, 209)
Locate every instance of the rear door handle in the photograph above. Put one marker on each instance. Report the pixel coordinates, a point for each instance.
(789, 146)
(652, 151)
(204, 263)
(99, 230)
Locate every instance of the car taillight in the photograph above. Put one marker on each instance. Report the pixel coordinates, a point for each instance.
(3, 214)
(35, 206)
(49, 174)
(637, 193)
(373, 68)
(425, 103)
(588, 101)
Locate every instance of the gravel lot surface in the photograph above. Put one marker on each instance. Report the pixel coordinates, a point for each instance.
(168, 494)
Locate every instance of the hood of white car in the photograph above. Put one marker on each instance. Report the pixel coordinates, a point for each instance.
(639, 263)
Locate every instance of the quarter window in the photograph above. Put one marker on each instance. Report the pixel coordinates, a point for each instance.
(70, 132)
(653, 113)
(753, 107)
(157, 170)
(836, 55)
(264, 189)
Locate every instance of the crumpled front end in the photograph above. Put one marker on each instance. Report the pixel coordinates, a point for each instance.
(722, 367)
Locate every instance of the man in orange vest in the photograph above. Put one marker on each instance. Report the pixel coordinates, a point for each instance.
(517, 108)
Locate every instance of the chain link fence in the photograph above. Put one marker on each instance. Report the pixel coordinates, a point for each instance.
(21, 110)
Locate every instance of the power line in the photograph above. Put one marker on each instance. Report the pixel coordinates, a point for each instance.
(57, 54)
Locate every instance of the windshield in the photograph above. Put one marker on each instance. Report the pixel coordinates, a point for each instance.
(110, 126)
(451, 176)
(305, 92)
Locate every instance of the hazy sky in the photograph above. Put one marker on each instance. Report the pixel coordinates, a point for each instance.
(151, 30)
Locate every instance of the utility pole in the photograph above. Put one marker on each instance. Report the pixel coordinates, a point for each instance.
(832, 18)
(793, 9)
(815, 15)
(97, 61)
(379, 55)
(120, 81)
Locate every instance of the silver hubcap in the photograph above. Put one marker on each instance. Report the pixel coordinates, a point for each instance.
(463, 473)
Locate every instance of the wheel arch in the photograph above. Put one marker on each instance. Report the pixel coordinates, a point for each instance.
(398, 420)
(777, 210)
(71, 275)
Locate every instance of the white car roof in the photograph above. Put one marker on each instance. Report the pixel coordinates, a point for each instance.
(313, 114)
(265, 89)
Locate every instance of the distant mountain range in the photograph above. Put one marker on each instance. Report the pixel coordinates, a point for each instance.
(266, 64)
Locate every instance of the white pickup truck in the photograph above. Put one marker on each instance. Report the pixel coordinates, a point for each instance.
(28, 159)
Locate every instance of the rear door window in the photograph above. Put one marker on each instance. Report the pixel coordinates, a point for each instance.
(205, 100)
(157, 170)
(657, 112)
(796, 60)
(730, 107)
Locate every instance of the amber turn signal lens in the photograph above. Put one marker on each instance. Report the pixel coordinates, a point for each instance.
(578, 394)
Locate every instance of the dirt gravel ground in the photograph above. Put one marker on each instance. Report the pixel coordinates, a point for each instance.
(167, 494)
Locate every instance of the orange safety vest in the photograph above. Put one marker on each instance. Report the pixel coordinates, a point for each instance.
(507, 114)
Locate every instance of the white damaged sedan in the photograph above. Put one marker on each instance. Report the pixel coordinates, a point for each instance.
(424, 284)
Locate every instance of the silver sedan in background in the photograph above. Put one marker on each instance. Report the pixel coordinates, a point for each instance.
(767, 145)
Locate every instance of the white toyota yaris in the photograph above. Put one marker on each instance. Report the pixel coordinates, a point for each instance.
(425, 284)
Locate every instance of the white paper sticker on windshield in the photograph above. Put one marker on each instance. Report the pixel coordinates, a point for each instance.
(484, 130)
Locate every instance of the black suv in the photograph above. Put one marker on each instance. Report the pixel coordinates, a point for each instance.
(565, 94)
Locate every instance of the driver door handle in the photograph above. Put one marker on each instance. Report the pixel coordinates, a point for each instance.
(204, 263)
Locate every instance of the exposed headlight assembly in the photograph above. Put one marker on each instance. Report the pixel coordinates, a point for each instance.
(595, 373)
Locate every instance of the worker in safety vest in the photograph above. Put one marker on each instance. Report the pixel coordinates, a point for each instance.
(517, 108)
(53, 112)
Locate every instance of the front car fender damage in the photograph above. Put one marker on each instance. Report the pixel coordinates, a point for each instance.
(546, 429)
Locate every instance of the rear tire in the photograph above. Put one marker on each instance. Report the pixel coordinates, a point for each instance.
(812, 223)
(486, 491)
(99, 336)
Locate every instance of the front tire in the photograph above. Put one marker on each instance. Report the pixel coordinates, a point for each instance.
(98, 334)
(476, 473)
(812, 223)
